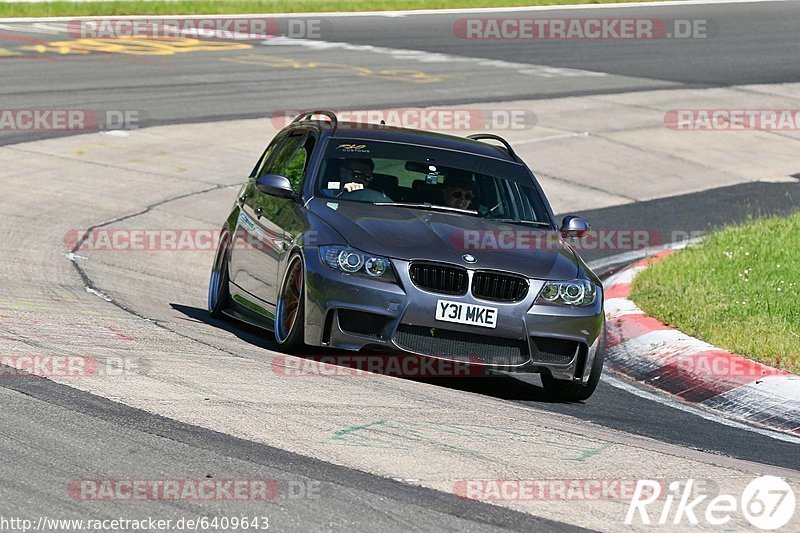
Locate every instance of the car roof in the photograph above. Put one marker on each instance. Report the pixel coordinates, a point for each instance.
(360, 130)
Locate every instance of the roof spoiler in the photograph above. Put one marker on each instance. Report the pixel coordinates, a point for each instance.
(306, 115)
(493, 137)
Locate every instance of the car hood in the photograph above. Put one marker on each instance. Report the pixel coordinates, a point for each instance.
(408, 233)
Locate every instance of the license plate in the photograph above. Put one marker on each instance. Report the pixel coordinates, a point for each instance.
(469, 314)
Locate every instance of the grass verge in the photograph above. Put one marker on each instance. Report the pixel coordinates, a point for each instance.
(738, 290)
(210, 7)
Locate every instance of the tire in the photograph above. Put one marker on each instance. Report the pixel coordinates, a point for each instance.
(570, 391)
(218, 288)
(290, 308)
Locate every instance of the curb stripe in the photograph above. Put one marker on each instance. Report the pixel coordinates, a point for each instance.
(629, 327)
(620, 290)
(694, 371)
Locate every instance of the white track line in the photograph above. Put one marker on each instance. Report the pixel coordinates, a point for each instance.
(633, 255)
(426, 12)
(544, 71)
(554, 137)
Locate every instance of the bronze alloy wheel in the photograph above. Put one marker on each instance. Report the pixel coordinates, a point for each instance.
(289, 313)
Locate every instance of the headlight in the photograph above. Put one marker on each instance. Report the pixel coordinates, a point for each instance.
(376, 266)
(577, 292)
(354, 261)
(349, 261)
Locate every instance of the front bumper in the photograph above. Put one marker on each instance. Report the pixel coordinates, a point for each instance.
(354, 312)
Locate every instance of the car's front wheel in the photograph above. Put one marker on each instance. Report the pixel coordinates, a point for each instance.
(218, 289)
(570, 391)
(290, 310)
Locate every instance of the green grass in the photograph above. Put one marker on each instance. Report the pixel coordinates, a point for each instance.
(739, 290)
(197, 7)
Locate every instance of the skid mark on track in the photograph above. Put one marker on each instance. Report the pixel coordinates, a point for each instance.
(463, 439)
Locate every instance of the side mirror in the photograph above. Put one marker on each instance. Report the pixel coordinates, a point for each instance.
(275, 185)
(573, 226)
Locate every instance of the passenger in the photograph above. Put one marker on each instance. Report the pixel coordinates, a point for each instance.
(457, 189)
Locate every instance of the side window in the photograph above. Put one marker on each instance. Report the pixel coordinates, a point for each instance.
(298, 163)
(291, 158)
(261, 166)
(283, 154)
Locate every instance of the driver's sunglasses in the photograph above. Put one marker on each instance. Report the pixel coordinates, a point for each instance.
(366, 176)
(458, 195)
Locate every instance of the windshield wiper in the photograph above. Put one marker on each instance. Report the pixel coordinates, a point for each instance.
(432, 207)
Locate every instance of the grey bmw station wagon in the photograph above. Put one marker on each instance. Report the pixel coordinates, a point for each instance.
(369, 237)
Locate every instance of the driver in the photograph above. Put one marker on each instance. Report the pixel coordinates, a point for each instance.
(356, 173)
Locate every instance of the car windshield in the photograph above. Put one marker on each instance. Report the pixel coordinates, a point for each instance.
(395, 174)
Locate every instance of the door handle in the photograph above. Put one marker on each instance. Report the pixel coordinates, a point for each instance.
(242, 199)
(259, 212)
